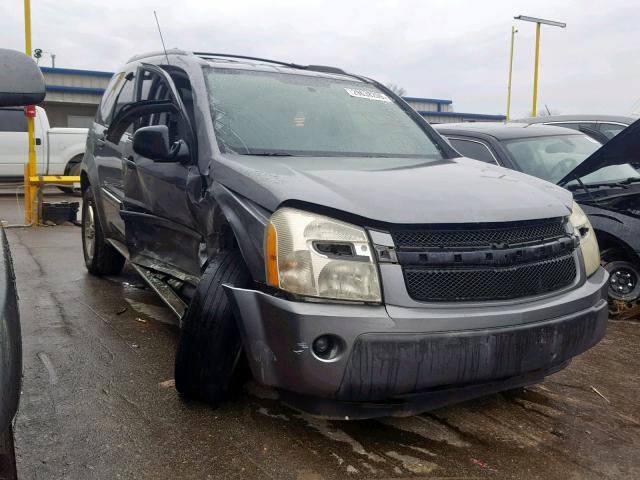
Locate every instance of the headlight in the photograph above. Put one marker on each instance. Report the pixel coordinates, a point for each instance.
(588, 242)
(318, 256)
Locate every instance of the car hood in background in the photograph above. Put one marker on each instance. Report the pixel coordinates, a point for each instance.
(621, 149)
(395, 190)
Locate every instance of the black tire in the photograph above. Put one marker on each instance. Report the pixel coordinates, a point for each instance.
(100, 257)
(210, 347)
(7, 456)
(624, 281)
(73, 169)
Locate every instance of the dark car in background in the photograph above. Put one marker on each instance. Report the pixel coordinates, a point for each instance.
(601, 178)
(606, 125)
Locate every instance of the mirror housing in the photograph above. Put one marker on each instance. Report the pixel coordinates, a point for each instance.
(152, 142)
(21, 81)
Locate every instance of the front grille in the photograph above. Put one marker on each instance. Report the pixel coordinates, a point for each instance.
(478, 235)
(491, 261)
(429, 284)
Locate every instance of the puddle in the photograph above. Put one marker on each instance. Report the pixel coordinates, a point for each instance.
(414, 465)
(159, 313)
(327, 430)
(427, 428)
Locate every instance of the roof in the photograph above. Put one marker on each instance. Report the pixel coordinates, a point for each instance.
(503, 131)
(74, 71)
(627, 120)
(476, 116)
(427, 100)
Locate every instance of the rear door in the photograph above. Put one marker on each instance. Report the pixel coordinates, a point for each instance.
(161, 226)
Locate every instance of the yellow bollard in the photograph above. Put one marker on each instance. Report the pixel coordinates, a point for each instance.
(30, 191)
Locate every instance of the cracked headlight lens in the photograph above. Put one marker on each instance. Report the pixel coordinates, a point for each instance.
(588, 242)
(318, 256)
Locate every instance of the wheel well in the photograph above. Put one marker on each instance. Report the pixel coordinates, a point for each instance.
(606, 241)
(74, 160)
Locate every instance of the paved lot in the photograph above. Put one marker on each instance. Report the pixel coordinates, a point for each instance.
(98, 401)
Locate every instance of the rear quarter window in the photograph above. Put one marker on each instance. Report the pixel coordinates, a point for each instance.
(13, 120)
(473, 149)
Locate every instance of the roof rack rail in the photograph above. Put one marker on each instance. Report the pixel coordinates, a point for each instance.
(315, 68)
(157, 53)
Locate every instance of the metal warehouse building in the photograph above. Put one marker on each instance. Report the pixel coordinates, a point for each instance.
(73, 97)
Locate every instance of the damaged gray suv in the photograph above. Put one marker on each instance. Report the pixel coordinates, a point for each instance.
(307, 222)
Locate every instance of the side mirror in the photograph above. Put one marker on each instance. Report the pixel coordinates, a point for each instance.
(21, 81)
(152, 142)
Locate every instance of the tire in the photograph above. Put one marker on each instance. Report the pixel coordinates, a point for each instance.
(210, 347)
(624, 281)
(100, 258)
(7, 456)
(73, 169)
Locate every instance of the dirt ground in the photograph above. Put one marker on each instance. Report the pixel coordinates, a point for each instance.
(98, 400)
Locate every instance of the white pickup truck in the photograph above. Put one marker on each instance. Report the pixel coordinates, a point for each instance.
(59, 151)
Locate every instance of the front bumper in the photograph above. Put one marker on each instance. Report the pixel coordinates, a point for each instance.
(399, 358)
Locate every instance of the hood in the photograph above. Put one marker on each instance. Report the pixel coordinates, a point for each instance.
(390, 190)
(621, 149)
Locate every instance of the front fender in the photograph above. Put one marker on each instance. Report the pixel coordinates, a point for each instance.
(248, 222)
(623, 228)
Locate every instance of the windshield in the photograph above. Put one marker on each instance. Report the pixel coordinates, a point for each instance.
(552, 158)
(267, 113)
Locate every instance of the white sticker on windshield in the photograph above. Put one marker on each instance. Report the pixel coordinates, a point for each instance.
(368, 94)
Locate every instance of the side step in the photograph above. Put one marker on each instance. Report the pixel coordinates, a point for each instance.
(156, 282)
(164, 291)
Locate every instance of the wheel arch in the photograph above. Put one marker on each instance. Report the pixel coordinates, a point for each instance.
(76, 159)
(608, 241)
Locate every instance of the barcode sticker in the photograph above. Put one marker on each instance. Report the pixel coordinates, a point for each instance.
(368, 94)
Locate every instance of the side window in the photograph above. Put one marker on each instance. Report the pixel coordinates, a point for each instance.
(611, 129)
(109, 98)
(153, 87)
(125, 96)
(12, 120)
(473, 149)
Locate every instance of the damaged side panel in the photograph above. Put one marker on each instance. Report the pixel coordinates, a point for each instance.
(248, 222)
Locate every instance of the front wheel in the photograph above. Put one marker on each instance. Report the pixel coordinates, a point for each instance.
(100, 257)
(210, 348)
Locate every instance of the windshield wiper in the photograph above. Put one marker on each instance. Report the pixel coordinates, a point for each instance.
(268, 154)
(618, 183)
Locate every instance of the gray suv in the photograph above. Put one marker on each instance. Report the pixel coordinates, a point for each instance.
(307, 222)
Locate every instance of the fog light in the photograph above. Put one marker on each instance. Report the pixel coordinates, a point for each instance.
(328, 347)
(322, 346)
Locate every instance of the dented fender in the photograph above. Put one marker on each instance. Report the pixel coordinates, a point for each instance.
(248, 222)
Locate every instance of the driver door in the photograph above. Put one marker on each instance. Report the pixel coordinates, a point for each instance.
(161, 229)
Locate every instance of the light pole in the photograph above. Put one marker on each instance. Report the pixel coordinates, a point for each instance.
(514, 30)
(538, 22)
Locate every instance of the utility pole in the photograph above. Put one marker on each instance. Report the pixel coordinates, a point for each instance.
(30, 168)
(538, 22)
(513, 36)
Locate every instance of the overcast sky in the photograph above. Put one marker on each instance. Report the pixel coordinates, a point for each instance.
(433, 48)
